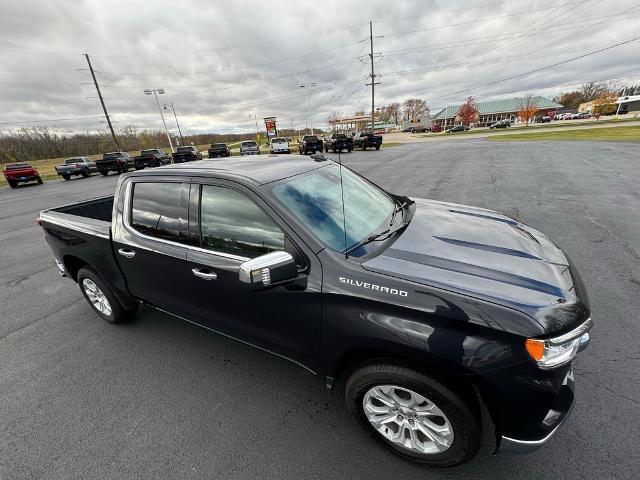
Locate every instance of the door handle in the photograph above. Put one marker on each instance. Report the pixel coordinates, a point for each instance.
(125, 252)
(204, 274)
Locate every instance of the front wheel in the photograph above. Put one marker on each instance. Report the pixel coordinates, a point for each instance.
(66, 177)
(101, 298)
(86, 173)
(12, 184)
(416, 416)
(39, 180)
(377, 147)
(104, 173)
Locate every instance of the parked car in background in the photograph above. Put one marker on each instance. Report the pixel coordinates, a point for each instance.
(501, 124)
(336, 142)
(249, 147)
(366, 140)
(436, 128)
(186, 153)
(422, 312)
(457, 128)
(310, 144)
(76, 166)
(408, 130)
(152, 157)
(20, 172)
(118, 162)
(279, 145)
(545, 119)
(219, 150)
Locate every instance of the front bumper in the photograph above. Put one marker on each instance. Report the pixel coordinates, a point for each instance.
(531, 420)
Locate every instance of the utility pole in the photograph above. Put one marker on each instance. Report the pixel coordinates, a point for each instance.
(104, 108)
(373, 78)
(176, 117)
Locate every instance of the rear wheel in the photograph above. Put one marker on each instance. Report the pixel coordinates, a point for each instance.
(39, 180)
(416, 416)
(364, 147)
(104, 172)
(86, 173)
(101, 298)
(12, 184)
(377, 147)
(66, 177)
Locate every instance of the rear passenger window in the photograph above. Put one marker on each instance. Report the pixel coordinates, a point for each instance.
(231, 223)
(157, 211)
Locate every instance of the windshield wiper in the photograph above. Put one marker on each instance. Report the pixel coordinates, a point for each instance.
(398, 208)
(376, 236)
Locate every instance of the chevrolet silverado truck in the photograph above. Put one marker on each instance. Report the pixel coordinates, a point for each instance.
(421, 311)
(153, 157)
(366, 140)
(219, 150)
(186, 154)
(119, 162)
(279, 145)
(21, 172)
(337, 142)
(310, 144)
(76, 166)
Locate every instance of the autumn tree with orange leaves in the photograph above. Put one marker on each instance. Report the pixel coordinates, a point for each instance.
(528, 109)
(468, 112)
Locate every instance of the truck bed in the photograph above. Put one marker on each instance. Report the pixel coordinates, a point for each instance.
(91, 216)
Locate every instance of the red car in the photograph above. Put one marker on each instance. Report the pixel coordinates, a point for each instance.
(16, 173)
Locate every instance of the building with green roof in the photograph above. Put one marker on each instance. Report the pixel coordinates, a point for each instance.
(493, 110)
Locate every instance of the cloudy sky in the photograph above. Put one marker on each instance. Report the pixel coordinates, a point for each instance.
(221, 62)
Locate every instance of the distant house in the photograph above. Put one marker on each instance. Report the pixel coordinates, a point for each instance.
(424, 120)
(493, 110)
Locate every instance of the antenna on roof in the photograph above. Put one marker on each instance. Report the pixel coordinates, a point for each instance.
(344, 217)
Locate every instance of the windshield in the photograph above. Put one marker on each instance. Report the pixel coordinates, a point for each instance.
(149, 152)
(219, 145)
(310, 137)
(249, 144)
(315, 199)
(113, 155)
(185, 149)
(278, 140)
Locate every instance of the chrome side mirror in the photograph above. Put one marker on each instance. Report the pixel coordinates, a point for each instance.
(267, 269)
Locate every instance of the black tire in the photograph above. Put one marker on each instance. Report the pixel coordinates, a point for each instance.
(66, 177)
(118, 313)
(12, 184)
(39, 181)
(460, 409)
(377, 147)
(86, 173)
(364, 147)
(348, 150)
(104, 173)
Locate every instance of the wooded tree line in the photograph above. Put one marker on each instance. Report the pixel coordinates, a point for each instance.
(36, 143)
(603, 92)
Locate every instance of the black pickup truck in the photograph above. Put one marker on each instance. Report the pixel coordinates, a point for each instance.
(336, 142)
(366, 140)
(153, 157)
(186, 154)
(422, 310)
(118, 162)
(310, 144)
(219, 150)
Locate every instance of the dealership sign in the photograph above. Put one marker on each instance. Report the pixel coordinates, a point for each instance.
(270, 125)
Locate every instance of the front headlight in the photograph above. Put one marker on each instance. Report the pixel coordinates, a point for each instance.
(553, 352)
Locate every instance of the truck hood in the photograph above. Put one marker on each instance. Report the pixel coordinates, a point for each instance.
(487, 255)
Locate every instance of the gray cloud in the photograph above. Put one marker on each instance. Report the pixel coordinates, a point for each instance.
(221, 62)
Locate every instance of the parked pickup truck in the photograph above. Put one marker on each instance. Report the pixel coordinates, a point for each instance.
(310, 144)
(422, 310)
(76, 166)
(219, 150)
(20, 172)
(279, 145)
(336, 142)
(119, 162)
(366, 140)
(153, 157)
(186, 154)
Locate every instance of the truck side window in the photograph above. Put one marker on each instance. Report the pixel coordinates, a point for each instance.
(231, 223)
(156, 210)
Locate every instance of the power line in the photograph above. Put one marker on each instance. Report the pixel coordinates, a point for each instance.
(50, 120)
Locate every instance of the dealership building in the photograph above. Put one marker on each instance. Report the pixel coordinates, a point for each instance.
(493, 110)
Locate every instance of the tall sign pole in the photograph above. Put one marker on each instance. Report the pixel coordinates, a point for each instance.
(104, 108)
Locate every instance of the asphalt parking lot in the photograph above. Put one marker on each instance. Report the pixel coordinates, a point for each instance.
(159, 398)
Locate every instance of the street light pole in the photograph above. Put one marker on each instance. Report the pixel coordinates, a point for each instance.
(156, 92)
(176, 117)
(308, 86)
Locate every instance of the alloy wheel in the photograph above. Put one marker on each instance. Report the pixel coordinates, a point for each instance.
(96, 296)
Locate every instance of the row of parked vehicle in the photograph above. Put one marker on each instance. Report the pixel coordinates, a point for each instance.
(121, 162)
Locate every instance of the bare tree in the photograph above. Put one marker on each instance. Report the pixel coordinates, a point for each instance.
(414, 108)
(333, 118)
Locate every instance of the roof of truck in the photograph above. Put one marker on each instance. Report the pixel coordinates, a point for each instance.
(261, 169)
